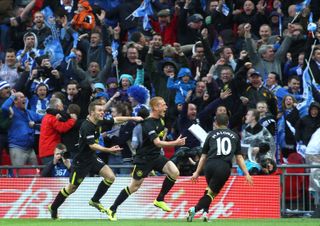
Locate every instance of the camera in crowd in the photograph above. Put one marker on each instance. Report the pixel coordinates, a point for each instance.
(187, 159)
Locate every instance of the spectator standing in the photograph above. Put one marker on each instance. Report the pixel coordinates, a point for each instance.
(83, 20)
(257, 137)
(166, 25)
(288, 116)
(9, 71)
(40, 29)
(256, 92)
(183, 85)
(21, 131)
(266, 59)
(308, 124)
(51, 129)
(4, 121)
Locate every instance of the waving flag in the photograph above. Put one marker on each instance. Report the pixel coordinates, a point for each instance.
(225, 9)
(52, 43)
(302, 5)
(114, 49)
(311, 26)
(75, 36)
(146, 23)
(49, 21)
(307, 93)
(144, 10)
(54, 49)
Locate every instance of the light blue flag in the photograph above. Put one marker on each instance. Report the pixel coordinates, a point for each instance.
(114, 49)
(54, 49)
(302, 5)
(49, 21)
(72, 55)
(47, 13)
(75, 36)
(303, 107)
(146, 23)
(311, 26)
(144, 10)
(225, 9)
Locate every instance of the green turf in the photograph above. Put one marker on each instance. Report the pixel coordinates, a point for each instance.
(156, 222)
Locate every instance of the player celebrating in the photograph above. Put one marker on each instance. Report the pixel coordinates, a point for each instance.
(86, 161)
(148, 158)
(219, 148)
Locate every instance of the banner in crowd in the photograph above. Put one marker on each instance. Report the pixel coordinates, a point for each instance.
(29, 198)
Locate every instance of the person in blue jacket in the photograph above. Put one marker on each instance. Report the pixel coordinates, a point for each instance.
(182, 85)
(21, 131)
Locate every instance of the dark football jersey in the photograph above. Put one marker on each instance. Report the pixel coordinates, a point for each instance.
(151, 129)
(222, 144)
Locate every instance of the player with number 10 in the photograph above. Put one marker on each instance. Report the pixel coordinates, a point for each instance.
(219, 148)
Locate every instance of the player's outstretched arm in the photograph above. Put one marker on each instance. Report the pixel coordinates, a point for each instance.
(121, 119)
(242, 165)
(98, 147)
(180, 141)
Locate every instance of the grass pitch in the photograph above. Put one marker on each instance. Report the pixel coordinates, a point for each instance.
(157, 222)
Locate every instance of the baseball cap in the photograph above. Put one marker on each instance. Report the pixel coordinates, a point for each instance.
(256, 73)
(164, 12)
(195, 18)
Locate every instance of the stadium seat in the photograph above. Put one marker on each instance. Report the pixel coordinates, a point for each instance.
(26, 172)
(294, 184)
(5, 162)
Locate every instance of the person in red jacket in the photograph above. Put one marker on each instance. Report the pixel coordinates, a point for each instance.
(51, 129)
(166, 26)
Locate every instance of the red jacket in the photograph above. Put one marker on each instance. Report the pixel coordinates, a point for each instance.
(169, 32)
(51, 129)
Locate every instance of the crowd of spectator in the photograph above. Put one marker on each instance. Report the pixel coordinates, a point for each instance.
(246, 58)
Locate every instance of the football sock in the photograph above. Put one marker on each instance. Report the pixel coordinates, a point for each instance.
(101, 190)
(60, 198)
(166, 186)
(124, 194)
(204, 202)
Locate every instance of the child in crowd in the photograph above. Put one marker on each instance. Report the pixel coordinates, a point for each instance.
(183, 85)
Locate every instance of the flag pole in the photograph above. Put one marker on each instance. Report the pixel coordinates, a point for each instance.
(297, 14)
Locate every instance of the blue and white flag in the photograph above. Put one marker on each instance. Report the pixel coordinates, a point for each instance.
(146, 23)
(302, 5)
(303, 107)
(114, 49)
(144, 10)
(54, 49)
(225, 9)
(311, 26)
(75, 36)
(49, 21)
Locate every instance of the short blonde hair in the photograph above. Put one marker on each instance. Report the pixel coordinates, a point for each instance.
(155, 101)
